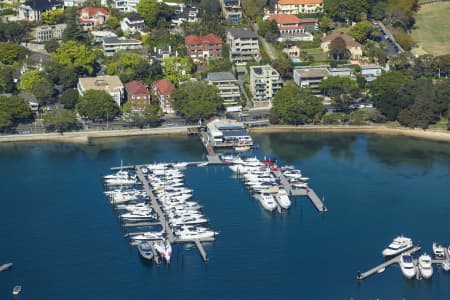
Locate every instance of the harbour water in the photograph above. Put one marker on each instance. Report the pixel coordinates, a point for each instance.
(66, 242)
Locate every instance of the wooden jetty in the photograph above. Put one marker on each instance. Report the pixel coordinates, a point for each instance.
(309, 192)
(201, 249)
(395, 259)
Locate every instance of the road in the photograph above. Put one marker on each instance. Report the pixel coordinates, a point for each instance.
(387, 39)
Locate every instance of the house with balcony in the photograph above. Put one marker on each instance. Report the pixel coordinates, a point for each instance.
(203, 47)
(244, 46)
(292, 28)
(133, 23)
(231, 11)
(296, 7)
(46, 33)
(112, 45)
(265, 82)
(124, 6)
(228, 87)
(310, 77)
(108, 83)
(185, 14)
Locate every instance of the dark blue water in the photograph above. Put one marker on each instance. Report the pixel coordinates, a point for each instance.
(66, 242)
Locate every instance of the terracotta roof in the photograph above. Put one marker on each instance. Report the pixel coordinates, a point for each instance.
(285, 19)
(137, 88)
(93, 11)
(298, 2)
(164, 86)
(210, 38)
(349, 41)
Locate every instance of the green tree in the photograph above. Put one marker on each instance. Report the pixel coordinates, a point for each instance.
(132, 66)
(293, 105)
(386, 91)
(341, 89)
(196, 100)
(443, 64)
(97, 106)
(143, 113)
(13, 110)
(28, 80)
(338, 49)
(60, 75)
(177, 68)
(51, 46)
(268, 30)
(77, 56)
(60, 120)
(44, 90)
(10, 53)
(346, 10)
(14, 32)
(284, 67)
(72, 31)
(6, 79)
(326, 24)
(154, 13)
(362, 31)
(70, 98)
(53, 17)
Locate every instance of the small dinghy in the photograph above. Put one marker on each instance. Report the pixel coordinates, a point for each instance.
(16, 290)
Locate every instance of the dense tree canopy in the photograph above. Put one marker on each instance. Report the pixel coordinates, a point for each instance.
(338, 49)
(132, 66)
(143, 113)
(13, 110)
(10, 53)
(362, 31)
(346, 10)
(97, 106)
(70, 98)
(60, 120)
(268, 30)
(77, 56)
(177, 68)
(154, 13)
(293, 105)
(6, 79)
(342, 90)
(14, 32)
(386, 93)
(196, 100)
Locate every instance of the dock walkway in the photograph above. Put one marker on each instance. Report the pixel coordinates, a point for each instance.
(309, 192)
(155, 205)
(395, 259)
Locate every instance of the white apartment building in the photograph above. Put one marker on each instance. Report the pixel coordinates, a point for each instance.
(49, 32)
(228, 87)
(265, 82)
(110, 84)
(244, 45)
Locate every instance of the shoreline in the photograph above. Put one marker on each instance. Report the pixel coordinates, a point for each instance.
(86, 137)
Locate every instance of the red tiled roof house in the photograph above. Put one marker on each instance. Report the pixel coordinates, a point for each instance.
(92, 17)
(203, 47)
(163, 90)
(352, 45)
(291, 25)
(136, 91)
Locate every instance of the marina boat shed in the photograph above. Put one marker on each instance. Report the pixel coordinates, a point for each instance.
(228, 133)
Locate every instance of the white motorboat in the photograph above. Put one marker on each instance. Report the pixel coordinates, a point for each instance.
(120, 181)
(407, 265)
(180, 165)
(398, 245)
(138, 215)
(119, 174)
(188, 220)
(164, 249)
(241, 148)
(446, 265)
(203, 164)
(282, 198)
(438, 251)
(267, 201)
(149, 235)
(425, 267)
(145, 250)
(189, 236)
(16, 290)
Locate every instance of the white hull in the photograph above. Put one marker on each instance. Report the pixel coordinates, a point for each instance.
(164, 249)
(425, 266)
(407, 266)
(398, 245)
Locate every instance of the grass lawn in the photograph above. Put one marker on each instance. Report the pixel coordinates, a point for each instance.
(318, 54)
(432, 29)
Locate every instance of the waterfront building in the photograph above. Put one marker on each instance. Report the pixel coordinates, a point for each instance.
(231, 11)
(228, 87)
(203, 47)
(108, 83)
(244, 45)
(265, 82)
(310, 77)
(137, 90)
(296, 7)
(227, 133)
(163, 90)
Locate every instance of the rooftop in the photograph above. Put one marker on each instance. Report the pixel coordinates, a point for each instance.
(108, 83)
(137, 87)
(299, 2)
(93, 11)
(217, 76)
(164, 86)
(349, 40)
(210, 38)
(41, 5)
(285, 19)
(242, 33)
(111, 40)
(312, 73)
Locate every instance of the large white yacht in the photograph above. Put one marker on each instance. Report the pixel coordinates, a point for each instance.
(398, 245)
(407, 265)
(438, 250)
(164, 249)
(282, 198)
(425, 267)
(267, 201)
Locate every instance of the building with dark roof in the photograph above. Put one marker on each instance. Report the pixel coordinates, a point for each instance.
(244, 45)
(228, 87)
(265, 82)
(31, 10)
(203, 47)
(133, 23)
(231, 11)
